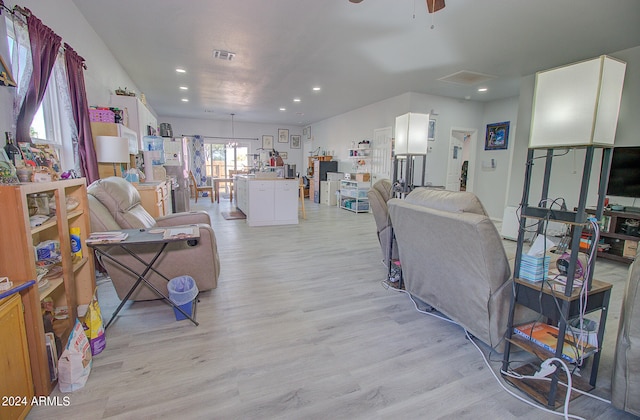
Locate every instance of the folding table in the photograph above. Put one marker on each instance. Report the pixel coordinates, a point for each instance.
(161, 237)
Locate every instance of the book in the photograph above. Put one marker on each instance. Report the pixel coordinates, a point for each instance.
(546, 336)
(52, 355)
(106, 237)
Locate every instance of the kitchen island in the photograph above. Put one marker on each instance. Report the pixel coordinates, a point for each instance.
(267, 201)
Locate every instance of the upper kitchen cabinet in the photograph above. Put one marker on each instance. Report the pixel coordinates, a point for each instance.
(136, 115)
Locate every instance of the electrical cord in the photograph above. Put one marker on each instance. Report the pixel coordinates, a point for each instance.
(484, 358)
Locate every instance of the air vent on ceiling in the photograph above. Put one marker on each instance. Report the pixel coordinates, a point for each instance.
(465, 77)
(223, 55)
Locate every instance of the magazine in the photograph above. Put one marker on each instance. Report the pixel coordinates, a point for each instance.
(546, 336)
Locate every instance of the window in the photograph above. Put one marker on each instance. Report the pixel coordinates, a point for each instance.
(51, 123)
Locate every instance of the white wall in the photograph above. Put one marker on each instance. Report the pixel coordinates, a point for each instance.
(492, 166)
(337, 133)
(219, 128)
(104, 74)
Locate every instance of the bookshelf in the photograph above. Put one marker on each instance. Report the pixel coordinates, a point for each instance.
(72, 284)
(557, 307)
(618, 235)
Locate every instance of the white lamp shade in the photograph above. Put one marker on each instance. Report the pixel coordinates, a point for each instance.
(412, 133)
(578, 104)
(110, 149)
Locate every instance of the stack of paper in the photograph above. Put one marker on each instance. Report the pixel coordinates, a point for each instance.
(105, 237)
(532, 268)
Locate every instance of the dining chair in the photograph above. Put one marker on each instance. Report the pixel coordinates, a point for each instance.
(199, 189)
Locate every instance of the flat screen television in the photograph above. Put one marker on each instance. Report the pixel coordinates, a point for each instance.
(624, 180)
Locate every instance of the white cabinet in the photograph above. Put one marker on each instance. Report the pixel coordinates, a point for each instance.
(328, 190)
(136, 115)
(267, 202)
(286, 201)
(261, 202)
(353, 196)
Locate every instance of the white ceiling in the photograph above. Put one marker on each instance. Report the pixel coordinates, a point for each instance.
(357, 53)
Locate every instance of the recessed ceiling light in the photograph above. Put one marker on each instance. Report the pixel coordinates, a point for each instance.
(283, 108)
(296, 99)
(179, 70)
(185, 100)
(184, 88)
(482, 89)
(316, 88)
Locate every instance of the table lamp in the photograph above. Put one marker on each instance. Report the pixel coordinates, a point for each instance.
(111, 149)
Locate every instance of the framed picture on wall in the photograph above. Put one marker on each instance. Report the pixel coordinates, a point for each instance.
(497, 136)
(295, 141)
(284, 155)
(283, 135)
(267, 142)
(307, 132)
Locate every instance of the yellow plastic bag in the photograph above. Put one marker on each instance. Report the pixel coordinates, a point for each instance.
(94, 328)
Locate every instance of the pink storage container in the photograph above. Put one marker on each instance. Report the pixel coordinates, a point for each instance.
(102, 115)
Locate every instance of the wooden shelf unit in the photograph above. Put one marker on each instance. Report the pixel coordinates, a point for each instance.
(613, 234)
(310, 164)
(75, 285)
(557, 308)
(155, 198)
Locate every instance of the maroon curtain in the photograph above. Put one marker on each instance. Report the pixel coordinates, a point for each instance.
(80, 108)
(44, 49)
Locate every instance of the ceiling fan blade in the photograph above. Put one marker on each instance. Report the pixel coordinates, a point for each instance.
(435, 5)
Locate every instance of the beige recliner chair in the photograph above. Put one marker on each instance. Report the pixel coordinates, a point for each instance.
(625, 383)
(379, 194)
(115, 204)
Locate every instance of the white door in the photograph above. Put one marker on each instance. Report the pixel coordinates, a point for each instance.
(454, 168)
(381, 154)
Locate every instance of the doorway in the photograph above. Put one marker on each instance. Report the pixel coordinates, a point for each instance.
(461, 159)
(224, 159)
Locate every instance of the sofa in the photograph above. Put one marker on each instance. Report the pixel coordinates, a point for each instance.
(379, 195)
(114, 204)
(625, 383)
(453, 259)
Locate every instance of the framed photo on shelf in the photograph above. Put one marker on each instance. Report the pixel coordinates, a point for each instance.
(283, 135)
(431, 136)
(267, 142)
(497, 136)
(295, 141)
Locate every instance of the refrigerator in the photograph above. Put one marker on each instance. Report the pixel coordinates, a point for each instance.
(320, 169)
(175, 163)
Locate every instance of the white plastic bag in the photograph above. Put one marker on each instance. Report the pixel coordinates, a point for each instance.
(75, 363)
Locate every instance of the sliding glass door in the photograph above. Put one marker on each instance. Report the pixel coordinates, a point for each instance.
(221, 158)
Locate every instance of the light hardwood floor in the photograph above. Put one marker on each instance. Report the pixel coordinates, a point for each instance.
(300, 327)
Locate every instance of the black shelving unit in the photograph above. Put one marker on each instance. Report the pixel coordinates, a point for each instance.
(558, 308)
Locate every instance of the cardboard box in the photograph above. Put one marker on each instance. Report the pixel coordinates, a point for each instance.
(630, 249)
(363, 177)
